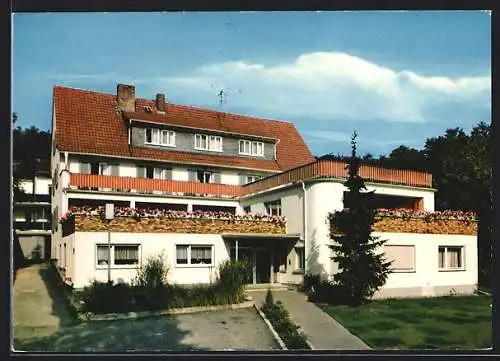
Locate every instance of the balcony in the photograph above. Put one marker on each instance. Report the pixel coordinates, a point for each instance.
(33, 226)
(332, 169)
(90, 219)
(317, 170)
(145, 185)
(421, 222)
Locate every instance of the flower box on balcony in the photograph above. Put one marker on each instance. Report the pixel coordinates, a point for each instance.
(158, 221)
(407, 221)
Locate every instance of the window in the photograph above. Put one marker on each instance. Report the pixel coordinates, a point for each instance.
(248, 147)
(402, 257)
(168, 138)
(273, 208)
(301, 259)
(126, 255)
(451, 258)
(246, 209)
(102, 255)
(104, 169)
(204, 177)
(182, 254)
(252, 178)
(215, 144)
(120, 255)
(162, 173)
(160, 137)
(205, 142)
(194, 255)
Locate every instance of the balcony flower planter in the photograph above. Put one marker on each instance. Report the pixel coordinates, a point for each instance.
(159, 221)
(409, 221)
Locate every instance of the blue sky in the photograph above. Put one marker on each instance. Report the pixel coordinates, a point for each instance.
(396, 77)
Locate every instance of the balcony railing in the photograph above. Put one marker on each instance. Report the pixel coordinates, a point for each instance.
(129, 184)
(318, 169)
(333, 169)
(33, 226)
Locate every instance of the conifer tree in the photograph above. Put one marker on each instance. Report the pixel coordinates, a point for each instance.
(363, 268)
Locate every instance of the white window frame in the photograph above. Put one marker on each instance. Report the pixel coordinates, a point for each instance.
(104, 168)
(273, 205)
(253, 148)
(446, 267)
(164, 138)
(198, 140)
(162, 173)
(247, 147)
(113, 265)
(168, 138)
(213, 143)
(189, 259)
(252, 178)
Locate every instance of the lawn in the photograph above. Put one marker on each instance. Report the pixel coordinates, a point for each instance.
(451, 322)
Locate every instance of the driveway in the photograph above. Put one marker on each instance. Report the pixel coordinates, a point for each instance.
(41, 323)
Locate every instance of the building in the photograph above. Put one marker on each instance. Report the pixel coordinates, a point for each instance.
(226, 186)
(32, 214)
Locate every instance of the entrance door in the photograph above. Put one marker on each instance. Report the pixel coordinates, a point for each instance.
(263, 266)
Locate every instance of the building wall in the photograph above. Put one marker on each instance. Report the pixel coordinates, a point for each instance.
(151, 244)
(426, 279)
(184, 142)
(292, 210)
(326, 197)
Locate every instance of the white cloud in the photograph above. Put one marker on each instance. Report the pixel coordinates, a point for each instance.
(327, 86)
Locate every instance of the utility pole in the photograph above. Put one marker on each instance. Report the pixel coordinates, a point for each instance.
(109, 216)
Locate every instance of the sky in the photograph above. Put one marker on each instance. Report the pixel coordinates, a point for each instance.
(394, 77)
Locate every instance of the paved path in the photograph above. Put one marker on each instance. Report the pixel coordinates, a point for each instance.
(38, 308)
(42, 323)
(324, 333)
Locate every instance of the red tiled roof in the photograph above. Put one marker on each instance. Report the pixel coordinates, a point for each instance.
(88, 122)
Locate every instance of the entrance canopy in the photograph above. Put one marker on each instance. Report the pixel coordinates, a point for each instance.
(263, 239)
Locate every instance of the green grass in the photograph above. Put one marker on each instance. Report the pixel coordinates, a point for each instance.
(424, 323)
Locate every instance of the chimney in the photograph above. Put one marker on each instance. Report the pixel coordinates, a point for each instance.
(160, 102)
(125, 97)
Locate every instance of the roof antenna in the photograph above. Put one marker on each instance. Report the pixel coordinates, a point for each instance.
(222, 95)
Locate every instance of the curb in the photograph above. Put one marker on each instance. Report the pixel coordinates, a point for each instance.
(483, 292)
(275, 334)
(88, 317)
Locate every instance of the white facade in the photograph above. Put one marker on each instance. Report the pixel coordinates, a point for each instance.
(426, 278)
(306, 207)
(80, 260)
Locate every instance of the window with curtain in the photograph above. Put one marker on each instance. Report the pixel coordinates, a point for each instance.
(193, 254)
(126, 254)
(201, 255)
(102, 256)
(182, 254)
(451, 258)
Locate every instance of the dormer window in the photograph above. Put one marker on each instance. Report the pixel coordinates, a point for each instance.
(248, 147)
(164, 138)
(208, 142)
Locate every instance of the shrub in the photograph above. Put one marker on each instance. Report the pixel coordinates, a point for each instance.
(269, 297)
(279, 318)
(153, 274)
(103, 297)
(232, 277)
